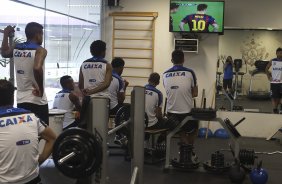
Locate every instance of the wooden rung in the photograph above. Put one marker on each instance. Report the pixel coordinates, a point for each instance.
(134, 67)
(134, 20)
(123, 29)
(133, 38)
(133, 57)
(131, 48)
(130, 76)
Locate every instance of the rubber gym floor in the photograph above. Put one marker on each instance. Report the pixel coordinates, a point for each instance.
(119, 169)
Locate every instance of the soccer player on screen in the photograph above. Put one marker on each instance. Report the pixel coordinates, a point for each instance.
(199, 22)
(173, 9)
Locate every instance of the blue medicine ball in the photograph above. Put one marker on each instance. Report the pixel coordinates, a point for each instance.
(202, 132)
(221, 133)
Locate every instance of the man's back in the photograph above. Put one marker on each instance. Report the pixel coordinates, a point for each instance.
(199, 22)
(19, 130)
(178, 82)
(153, 99)
(62, 101)
(24, 54)
(94, 72)
(115, 87)
(276, 71)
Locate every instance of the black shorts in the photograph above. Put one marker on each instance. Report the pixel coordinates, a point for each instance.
(276, 90)
(41, 111)
(190, 127)
(114, 110)
(36, 180)
(227, 83)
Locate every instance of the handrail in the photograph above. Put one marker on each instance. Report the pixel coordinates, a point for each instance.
(118, 127)
(134, 175)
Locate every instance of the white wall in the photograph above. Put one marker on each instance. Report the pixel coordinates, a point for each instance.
(238, 13)
(253, 13)
(203, 63)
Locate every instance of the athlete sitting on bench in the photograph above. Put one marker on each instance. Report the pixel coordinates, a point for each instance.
(153, 106)
(67, 100)
(180, 84)
(117, 90)
(118, 86)
(19, 131)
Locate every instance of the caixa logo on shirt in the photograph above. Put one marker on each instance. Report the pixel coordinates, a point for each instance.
(90, 66)
(22, 54)
(15, 120)
(174, 74)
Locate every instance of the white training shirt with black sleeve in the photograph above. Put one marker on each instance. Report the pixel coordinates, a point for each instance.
(24, 54)
(94, 72)
(178, 82)
(116, 86)
(19, 150)
(62, 101)
(153, 99)
(276, 71)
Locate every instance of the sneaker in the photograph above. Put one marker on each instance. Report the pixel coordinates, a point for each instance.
(120, 140)
(194, 158)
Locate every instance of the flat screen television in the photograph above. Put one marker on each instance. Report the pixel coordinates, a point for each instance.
(196, 16)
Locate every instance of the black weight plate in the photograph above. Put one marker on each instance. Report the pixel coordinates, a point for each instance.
(213, 169)
(85, 145)
(184, 166)
(203, 114)
(122, 115)
(232, 128)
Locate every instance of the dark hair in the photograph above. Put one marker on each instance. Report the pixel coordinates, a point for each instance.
(173, 6)
(6, 93)
(64, 79)
(32, 29)
(154, 78)
(177, 56)
(202, 7)
(278, 49)
(97, 48)
(117, 62)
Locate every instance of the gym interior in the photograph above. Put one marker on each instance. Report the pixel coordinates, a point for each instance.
(138, 31)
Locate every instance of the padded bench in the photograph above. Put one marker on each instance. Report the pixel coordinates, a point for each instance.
(154, 158)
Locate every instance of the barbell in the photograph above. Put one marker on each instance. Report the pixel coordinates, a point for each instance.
(77, 153)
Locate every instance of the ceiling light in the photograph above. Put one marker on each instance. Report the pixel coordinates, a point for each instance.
(52, 36)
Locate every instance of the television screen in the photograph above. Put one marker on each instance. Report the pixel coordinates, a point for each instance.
(196, 16)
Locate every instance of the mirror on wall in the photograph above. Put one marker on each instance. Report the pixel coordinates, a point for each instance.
(246, 84)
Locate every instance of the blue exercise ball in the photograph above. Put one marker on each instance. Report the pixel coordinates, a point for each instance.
(202, 132)
(259, 176)
(221, 133)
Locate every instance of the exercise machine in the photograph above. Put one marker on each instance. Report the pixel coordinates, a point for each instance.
(258, 95)
(82, 154)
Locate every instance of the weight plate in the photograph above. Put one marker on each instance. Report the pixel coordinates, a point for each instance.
(88, 151)
(122, 115)
(213, 169)
(231, 128)
(184, 166)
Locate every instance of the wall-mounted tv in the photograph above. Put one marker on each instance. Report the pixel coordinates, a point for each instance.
(196, 16)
